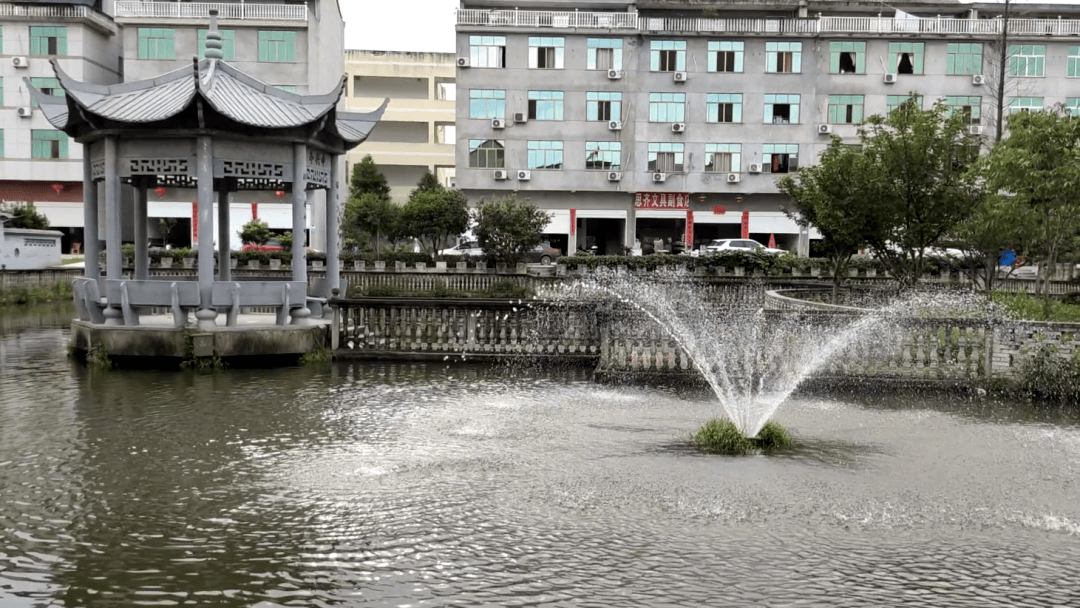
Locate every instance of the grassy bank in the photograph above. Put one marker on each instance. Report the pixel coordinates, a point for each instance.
(1021, 305)
(35, 295)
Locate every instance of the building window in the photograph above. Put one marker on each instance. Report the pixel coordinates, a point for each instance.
(667, 55)
(781, 109)
(157, 43)
(1, 86)
(487, 103)
(847, 57)
(964, 58)
(1, 143)
(783, 57)
(906, 57)
(288, 88)
(723, 107)
(1072, 67)
(1027, 59)
(725, 56)
(723, 158)
(967, 106)
(603, 105)
(1025, 104)
(667, 107)
(665, 157)
(1072, 107)
(780, 158)
(545, 154)
(545, 53)
(48, 40)
(545, 105)
(604, 54)
(487, 153)
(845, 109)
(893, 101)
(228, 44)
(48, 86)
(487, 51)
(277, 47)
(603, 155)
(48, 144)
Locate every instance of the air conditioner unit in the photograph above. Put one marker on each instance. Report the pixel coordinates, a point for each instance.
(975, 130)
(680, 76)
(659, 177)
(754, 168)
(614, 176)
(678, 127)
(734, 178)
(978, 79)
(824, 129)
(524, 175)
(890, 78)
(521, 117)
(614, 74)
(500, 174)
(20, 62)
(462, 62)
(25, 112)
(498, 123)
(614, 125)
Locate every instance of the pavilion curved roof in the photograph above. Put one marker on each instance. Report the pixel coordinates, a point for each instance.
(233, 94)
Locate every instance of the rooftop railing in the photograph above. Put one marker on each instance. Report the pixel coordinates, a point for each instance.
(201, 10)
(56, 11)
(798, 27)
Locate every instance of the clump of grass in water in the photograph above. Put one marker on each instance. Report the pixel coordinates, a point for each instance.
(721, 436)
(319, 355)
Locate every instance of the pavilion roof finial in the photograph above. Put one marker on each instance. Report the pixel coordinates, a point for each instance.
(213, 38)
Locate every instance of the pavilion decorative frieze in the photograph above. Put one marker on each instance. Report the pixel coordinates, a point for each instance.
(97, 170)
(254, 169)
(258, 184)
(159, 166)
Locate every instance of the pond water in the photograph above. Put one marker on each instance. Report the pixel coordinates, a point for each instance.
(408, 484)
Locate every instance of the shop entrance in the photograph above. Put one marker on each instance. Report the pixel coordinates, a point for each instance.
(605, 234)
(704, 233)
(661, 235)
(556, 240)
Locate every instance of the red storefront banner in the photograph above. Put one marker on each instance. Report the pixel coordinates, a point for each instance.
(745, 224)
(689, 228)
(254, 211)
(662, 200)
(573, 221)
(194, 222)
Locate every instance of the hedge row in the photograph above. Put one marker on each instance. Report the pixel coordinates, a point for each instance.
(751, 261)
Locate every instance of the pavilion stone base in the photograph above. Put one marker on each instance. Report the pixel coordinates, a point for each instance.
(160, 342)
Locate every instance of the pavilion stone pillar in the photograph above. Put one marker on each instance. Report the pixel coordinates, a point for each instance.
(224, 245)
(91, 247)
(114, 253)
(142, 248)
(333, 247)
(204, 150)
(299, 223)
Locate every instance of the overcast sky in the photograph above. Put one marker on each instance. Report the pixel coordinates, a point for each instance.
(399, 25)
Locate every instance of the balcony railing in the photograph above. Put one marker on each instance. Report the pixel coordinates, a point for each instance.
(57, 12)
(797, 27)
(201, 10)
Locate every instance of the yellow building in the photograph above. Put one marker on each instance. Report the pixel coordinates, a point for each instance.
(417, 131)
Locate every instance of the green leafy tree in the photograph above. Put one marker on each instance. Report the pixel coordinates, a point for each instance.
(24, 215)
(998, 224)
(427, 183)
(366, 178)
(829, 196)
(917, 183)
(507, 227)
(256, 231)
(1038, 166)
(373, 215)
(433, 216)
(285, 238)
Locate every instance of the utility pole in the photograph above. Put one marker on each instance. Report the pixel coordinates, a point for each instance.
(1003, 59)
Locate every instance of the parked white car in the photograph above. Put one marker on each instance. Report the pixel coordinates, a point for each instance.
(470, 248)
(721, 245)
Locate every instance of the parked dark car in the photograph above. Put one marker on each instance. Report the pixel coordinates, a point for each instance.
(542, 254)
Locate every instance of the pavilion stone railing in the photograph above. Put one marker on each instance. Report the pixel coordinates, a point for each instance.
(201, 10)
(405, 283)
(469, 328)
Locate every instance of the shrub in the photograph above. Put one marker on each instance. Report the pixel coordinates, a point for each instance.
(1049, 376)
(721, 436)
(382, 292)
(508, 289)
(180, 253)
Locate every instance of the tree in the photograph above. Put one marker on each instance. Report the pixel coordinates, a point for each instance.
(256, 231)
(366, 178)
(507, 227)
(1038, 166)
(432, 216)
(829, 196)
(427, 183)
(998, 224)
(24, 215)
(372, 215)
(916, 182)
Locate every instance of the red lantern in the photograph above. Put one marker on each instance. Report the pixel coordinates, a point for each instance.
(279, 193)
(58, 187)
(719, 210)
(159, 191)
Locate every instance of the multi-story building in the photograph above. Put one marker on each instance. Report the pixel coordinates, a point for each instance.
(416, 134)
(38, 164)
(670, 120)
(294, 46)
